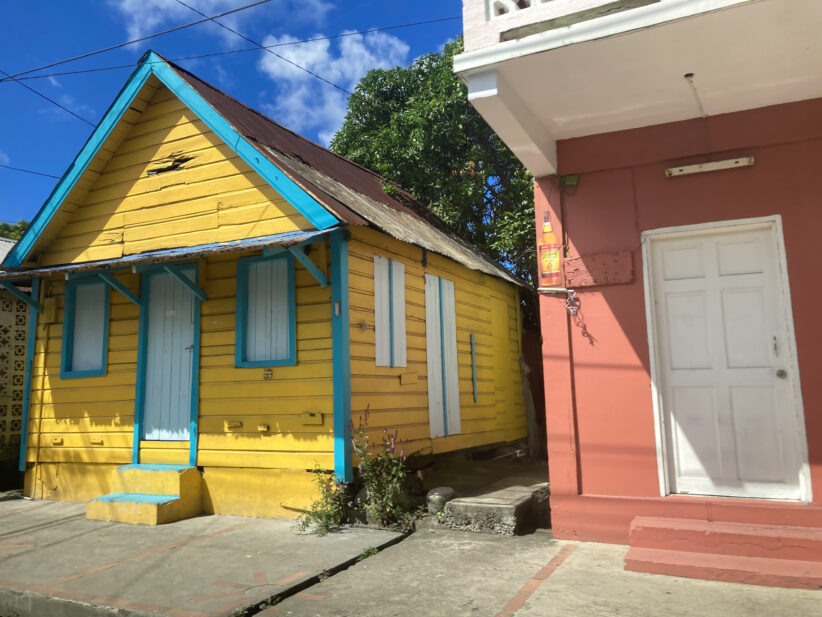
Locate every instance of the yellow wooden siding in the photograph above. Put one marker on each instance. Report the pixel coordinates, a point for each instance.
(91, 419)
(214, 197)
(485, 307)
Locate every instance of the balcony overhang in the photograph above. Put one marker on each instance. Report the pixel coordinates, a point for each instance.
(628, 70)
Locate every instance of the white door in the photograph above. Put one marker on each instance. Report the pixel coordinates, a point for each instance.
(169, 357)
(726, 365)
(441, 357)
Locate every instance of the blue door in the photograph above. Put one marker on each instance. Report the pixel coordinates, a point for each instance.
(169, 357)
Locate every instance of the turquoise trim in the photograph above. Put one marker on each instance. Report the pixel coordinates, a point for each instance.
(32, 335)
(142, 347)
(193, 427)
(152, 64)
(23, 297)
(156, 467)
(241, 319)
(140, 387)
(43, 217)
(174, 271)
(442, 362)
(138, 498)
(309, 265)
(391, 310)
(66, 371)
(474, 367)
(108, 278)
(341, 344)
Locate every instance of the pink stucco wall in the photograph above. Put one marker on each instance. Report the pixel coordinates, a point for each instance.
(602, 453)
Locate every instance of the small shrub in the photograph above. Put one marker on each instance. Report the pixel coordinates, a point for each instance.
(383, 473)
(330, 510)
(368, 552)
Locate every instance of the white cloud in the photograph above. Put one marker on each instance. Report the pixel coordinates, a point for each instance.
(4, 158)
(54, 82)
(144, 17)
(303, 102)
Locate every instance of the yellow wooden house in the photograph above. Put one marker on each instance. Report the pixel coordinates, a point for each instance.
(215, 298)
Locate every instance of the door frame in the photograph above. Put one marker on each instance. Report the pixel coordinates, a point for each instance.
(142, 348)
(773, 222)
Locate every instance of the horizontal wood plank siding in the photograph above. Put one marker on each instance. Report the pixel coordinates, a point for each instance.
(213, 197)
(245, 419)
(485, 307)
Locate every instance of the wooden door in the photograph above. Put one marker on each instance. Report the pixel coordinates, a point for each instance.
(726, 365)
(169, 358)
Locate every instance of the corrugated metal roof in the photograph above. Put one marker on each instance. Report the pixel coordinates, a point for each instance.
(6, 245)
(353, 193)
(286, 239)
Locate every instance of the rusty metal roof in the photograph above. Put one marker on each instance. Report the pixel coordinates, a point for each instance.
(353, 193)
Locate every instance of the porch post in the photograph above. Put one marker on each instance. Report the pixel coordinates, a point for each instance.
(341, 343)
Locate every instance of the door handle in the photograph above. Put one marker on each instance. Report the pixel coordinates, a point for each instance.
(782, 373)
(189, 348)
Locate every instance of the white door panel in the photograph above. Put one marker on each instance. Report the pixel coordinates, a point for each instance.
(169, 358)
(730, 419)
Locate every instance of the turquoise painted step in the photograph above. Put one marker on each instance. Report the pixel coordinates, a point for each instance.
(150, 494)
(138, 498)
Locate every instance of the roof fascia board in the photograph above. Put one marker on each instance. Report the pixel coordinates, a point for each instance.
(152, 64)
(21, 250)
(602, 27)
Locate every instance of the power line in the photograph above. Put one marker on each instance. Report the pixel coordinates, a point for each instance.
(239, 51)
(144, 38)
(50, 100)
(29, 171)
(245, 38)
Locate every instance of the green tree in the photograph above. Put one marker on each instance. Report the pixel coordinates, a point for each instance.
(13, 230)
(415, 127)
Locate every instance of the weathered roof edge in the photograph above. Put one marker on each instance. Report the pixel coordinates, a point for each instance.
(286, 239)
(398, 224)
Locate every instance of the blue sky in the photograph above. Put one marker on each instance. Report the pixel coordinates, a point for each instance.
(36, 135)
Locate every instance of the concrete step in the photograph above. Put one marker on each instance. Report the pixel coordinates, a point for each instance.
(725, 538)
(139, 508)
(509, 511)
(728, 568)
(150, 494)
(156, 479)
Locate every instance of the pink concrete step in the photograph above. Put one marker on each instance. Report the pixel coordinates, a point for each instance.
(727, 568)
(725, 538)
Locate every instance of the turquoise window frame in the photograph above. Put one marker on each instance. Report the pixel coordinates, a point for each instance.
(241, 328)
(66, 371)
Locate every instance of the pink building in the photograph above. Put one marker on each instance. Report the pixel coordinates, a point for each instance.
(677, 148)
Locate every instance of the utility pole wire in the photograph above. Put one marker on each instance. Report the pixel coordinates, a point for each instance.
(238, 51)
(143, 38)
(50, 100)
(29, 171)
(242, 36)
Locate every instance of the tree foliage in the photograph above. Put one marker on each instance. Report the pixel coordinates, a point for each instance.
(13, 230)
(415, 127)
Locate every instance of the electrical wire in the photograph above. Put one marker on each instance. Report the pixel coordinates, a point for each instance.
(143, 38)
(245, 38)
(50, 100)
(236, 51)
(29, 171)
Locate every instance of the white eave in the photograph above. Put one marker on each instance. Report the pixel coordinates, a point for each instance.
(626, 70)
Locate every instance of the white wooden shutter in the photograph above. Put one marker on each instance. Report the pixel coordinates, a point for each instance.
(398, 309)
(389, 312)
(267, 328)
(451, 368)
(436, 419)
(89, 327)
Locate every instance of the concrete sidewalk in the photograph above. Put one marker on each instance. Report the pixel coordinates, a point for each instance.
(456, 574)
(53, 562)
